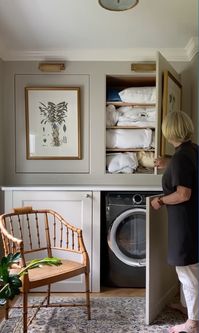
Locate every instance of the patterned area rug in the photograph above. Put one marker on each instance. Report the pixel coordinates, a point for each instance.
(108, 315)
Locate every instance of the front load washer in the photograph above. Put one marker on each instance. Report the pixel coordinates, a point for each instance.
(123, 238)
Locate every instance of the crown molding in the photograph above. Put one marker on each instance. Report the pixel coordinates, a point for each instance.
(128, 54)
(192, 48)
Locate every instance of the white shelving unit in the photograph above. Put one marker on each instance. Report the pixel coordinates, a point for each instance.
(120, 83)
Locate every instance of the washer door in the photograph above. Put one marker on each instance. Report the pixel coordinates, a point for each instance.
(127, 237)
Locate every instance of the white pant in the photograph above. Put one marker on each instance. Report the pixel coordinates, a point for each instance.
(189, 278)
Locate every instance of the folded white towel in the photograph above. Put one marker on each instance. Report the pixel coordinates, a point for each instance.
(121, 162)
(136, 116)
(138, 95)
(129, 138)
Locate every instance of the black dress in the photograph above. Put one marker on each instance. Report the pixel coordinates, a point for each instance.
(183, 218)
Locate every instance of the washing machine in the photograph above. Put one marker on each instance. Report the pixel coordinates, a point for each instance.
(123, 238)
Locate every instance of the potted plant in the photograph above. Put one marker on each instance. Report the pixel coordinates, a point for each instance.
(10, 283)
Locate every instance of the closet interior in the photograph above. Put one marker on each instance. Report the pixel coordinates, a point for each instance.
(131, 122)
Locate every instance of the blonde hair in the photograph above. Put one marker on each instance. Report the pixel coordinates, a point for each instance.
(177, 126)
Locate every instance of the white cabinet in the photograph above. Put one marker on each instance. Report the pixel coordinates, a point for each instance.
(77, 207)
(133, 119)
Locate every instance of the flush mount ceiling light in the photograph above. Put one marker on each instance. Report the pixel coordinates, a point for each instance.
(118, 5)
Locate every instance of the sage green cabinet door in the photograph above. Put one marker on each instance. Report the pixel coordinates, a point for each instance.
(161, 278)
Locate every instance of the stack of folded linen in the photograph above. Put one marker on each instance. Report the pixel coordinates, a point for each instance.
(129, 138)
(140, 117)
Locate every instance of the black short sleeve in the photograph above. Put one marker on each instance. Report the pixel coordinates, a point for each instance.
(182, 171)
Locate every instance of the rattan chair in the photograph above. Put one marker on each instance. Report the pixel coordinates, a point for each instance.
(37, 234)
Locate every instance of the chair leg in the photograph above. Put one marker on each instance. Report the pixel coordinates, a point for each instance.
(48, 297)
(7, 310)
(88, 295)
(25, 313)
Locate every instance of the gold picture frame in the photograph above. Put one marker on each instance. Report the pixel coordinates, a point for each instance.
(52, 123)
(172, 101)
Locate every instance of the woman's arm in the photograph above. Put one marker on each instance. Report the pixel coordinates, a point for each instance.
(181, 194)
(161, 162)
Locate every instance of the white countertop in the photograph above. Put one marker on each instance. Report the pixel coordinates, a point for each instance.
(81, 188)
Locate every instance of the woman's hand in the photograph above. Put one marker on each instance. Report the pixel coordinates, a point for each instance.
(161, 162)
(155, 203)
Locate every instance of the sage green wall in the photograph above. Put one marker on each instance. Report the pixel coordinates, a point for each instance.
(1, 123)
(90, 170)
(1, 143)
(189, 75)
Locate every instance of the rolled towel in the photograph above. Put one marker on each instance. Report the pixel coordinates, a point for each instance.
(146, 158)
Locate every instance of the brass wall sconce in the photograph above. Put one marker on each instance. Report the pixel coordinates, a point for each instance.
(51, 67)
(143, 67)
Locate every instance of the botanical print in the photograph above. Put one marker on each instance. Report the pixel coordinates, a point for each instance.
(52, 123)
(171, 102)
(174, 95)
(55, 115)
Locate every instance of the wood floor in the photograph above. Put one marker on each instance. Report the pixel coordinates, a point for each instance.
(123, 292)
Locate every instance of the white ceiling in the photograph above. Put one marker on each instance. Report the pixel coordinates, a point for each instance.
(82, 30)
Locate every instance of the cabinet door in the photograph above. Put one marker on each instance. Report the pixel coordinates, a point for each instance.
(161, 278)
(75, 206)
(162, 65)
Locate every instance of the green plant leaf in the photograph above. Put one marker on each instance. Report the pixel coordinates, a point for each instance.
(15, 281)
(40, 262)
(11, 259)
(5, 292)
(14, 258)
(45, 261)
(4, 273)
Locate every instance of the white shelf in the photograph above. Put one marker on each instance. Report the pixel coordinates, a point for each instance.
(130, 127)
(136, 105)
(128, 149)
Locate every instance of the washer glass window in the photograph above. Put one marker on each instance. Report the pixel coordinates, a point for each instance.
(131, 236)
(127, 237)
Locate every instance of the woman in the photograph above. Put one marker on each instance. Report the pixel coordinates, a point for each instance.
(180, 188)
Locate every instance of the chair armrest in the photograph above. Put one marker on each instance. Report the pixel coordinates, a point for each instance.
(68, 225)
(6, 234)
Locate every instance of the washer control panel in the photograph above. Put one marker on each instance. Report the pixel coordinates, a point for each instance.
(138, 199)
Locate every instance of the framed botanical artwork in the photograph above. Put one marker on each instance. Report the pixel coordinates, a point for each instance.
(52, 123)
(172, 101)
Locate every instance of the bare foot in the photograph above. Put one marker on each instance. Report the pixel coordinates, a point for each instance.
(179, 307)
(190, 326)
